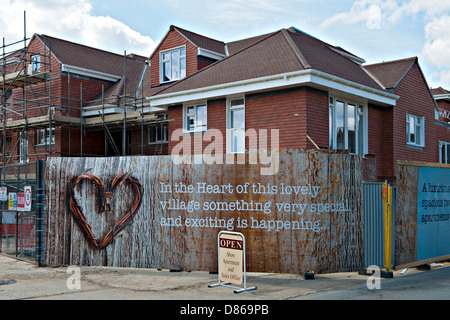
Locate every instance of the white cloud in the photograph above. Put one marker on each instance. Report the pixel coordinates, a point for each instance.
(391, 12)
(235, 19)
(433, 18)
(437, 42)
(71, 20)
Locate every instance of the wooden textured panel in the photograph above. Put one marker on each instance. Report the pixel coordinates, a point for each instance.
(278, 214)
(406, 214)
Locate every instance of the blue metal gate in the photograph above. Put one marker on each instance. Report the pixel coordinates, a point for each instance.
(373, 219)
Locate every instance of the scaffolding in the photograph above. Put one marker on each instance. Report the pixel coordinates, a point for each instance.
(30, 104)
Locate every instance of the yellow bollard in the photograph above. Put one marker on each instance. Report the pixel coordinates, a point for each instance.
(387, 208)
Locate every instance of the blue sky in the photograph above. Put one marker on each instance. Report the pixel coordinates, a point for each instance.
(376, 30)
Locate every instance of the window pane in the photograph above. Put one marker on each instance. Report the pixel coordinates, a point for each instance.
(361, 134)
(175, 65)
(201, 118)
(190, 110)
(190, 123)
(412, 130)
(340, 130)
(238, 140)
(351, 126)
(330, 126)
(35, 61)
(183, 52)
(418, 133)
(237, 118)
(183, 67)
(152, 134)
(447, 146)
(238, 102)
(166, 71)
(442, 152)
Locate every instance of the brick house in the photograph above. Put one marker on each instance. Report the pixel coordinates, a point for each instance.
(442, 97)
(52, 92)
(315, 94)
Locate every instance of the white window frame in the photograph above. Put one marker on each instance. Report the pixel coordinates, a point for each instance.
(36, 63)
(420, 127)
(44, 137)
(361, 110)
(231, 130)
(23, 148)
(187, 113)
(169, 60)
(446, 147)
(157, 130)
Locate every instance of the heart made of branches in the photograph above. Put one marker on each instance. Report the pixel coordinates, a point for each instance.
(105, 195)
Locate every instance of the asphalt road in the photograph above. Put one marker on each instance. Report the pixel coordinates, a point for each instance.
(20, 280)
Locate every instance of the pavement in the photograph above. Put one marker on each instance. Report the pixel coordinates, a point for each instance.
(21, 280)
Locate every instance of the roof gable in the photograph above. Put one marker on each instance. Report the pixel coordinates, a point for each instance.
(389, 74)
(202, 41)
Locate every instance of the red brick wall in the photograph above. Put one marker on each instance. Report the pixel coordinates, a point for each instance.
(415, 98)
(284, 110)
(380, 139)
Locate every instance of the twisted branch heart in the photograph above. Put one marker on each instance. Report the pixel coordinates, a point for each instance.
(105, 194)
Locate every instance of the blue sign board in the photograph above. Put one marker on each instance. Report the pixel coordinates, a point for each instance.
(433, 213)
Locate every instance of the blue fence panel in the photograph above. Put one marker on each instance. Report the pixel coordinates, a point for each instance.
(373, 219)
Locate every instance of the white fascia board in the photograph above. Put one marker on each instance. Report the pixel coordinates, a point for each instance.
(90, 73)
(97, 110)
(209, 54)
(303, 77)
(353, 88)
(441, 96)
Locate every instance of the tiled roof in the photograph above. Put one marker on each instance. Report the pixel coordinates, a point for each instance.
(438, 91)
(390, 73)
(236, 46)
(78, 55)
(321, 57)
(202, 41)
(82, 56)
(286, 50)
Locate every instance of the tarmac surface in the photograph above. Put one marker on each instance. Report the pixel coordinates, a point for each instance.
(20, 280)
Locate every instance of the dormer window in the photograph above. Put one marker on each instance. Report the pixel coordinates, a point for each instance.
(173, 64)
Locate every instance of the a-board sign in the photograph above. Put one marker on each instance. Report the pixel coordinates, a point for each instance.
(231, 247)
